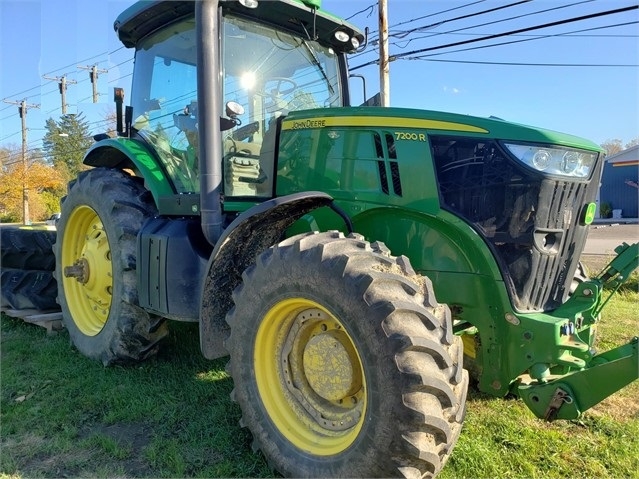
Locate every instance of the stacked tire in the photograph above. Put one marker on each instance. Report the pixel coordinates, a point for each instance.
(27, 269)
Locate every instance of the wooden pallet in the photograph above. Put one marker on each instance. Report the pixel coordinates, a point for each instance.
(50, 320)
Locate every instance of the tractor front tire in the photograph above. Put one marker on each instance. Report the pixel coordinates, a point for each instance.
(96, 253)
(343, 363)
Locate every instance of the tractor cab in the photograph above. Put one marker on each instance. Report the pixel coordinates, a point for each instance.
(272, 59)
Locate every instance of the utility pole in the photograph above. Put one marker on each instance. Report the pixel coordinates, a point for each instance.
(22, 110)
(93, 75)
(384, 68)
(62, 86)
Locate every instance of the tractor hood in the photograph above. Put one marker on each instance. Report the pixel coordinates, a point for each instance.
(446, 123)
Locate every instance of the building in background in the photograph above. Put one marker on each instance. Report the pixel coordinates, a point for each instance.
(619, 190)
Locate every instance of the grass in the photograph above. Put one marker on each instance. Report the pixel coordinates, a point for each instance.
(63, 415)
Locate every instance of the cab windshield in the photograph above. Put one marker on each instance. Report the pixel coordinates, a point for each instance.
(267, 71)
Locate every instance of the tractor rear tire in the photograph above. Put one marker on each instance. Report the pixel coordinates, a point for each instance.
(96, 254)
(27, 249)
(28, 289)
(344, 364)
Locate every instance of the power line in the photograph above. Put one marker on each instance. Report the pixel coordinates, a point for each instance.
(431, 15)
(437, 13)
(499, 35)
(499, 21)
(524, 64)
(462, 17)
(370, 9)
(12, 134)
(71, 65)
(565, 34)
(68, 81)
(89, 124)
(482, 24)
(528, 39)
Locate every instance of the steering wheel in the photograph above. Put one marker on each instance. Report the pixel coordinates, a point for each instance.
(276, 87)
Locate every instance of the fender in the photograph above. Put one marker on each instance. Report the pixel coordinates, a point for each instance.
(123, 153)
(247, 236)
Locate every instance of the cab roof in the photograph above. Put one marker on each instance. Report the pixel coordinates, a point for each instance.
(146, 16)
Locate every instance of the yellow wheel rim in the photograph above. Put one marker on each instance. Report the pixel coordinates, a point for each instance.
(87, 270)
(310, 377)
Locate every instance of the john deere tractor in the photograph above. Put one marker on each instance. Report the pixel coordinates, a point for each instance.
(308, 239)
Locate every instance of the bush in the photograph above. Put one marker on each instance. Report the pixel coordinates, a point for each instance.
(605, 210)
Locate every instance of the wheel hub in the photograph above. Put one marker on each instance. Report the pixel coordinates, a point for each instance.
(322, 372)
(79, 270)
(328, 366)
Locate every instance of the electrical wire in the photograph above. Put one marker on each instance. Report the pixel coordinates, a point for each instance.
(403, 34)
(499, 35)
(528, 39)
(371, 7)
(590, 65)
(481, 25)
(431, 15)
(516, 17)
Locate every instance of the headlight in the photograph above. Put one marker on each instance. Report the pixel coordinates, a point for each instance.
(555, 160)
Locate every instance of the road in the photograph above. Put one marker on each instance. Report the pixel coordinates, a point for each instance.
(602, 241)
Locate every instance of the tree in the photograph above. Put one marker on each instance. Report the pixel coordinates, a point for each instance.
(633, 142)
(110, 119)
(66, 143)
(614, 146)
(35, 175)
(6, 154)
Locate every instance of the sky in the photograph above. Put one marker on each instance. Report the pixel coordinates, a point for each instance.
(580, 78)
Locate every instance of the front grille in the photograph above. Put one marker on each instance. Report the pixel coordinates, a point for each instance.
(550, 274)
(530, 222)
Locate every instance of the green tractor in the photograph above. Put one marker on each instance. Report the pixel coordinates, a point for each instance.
(308, 239)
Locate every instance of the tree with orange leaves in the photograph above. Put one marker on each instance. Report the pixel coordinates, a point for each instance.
(42, 183)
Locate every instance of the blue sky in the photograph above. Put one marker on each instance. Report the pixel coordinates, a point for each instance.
(54, 37)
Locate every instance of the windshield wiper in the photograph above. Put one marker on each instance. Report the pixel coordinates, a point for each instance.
(317, 63)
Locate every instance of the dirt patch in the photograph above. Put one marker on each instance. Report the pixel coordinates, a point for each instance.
(135, 436)
(118, 449)
(124, 447)
(31, 455)
(595, 263)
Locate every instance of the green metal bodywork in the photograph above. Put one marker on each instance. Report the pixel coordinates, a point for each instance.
(138, 156)
(546, 357)
(530, 354)
(133, 154)
(516, 352)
